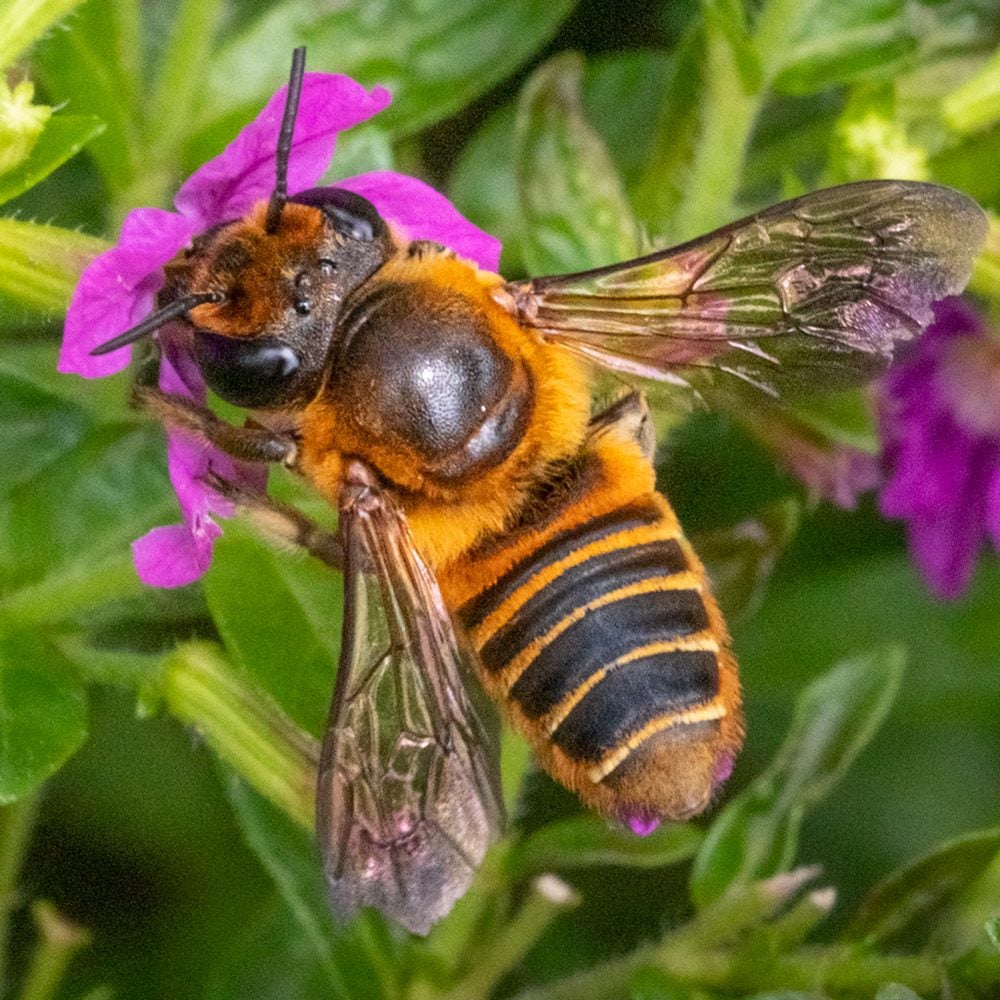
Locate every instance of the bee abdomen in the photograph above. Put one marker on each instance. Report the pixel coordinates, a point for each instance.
(603, 636)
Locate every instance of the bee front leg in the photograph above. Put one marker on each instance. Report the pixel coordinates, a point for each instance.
(281, 524)
(249, 444)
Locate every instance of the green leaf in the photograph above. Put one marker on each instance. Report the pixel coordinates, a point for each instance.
(64, 136)
(283, 629)
(845, 418)
(862, 40)
(359, 959)
(434, 62)
(835, 717)
(871, 140)
(585, 841)
(620, 95)
(95, 70)
(575, 211)
(34, 363)
(700, 140)
(23, 22)
(976, 104)
(896, 991)
(992, 930)
(650, 983)
(35, 426)
(40, 265)
(675, 136)
(103, 493)
(43, 715)
(923, 889)
(270, 958)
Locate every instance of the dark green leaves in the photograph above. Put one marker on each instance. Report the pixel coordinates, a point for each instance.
(585, 841)
(855, 40)
(573, 205)
(927, 888)
(42, 715)
(434, 60)
(757, 833)
(64, 136)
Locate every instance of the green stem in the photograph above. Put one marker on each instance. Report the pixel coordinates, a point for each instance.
(181, 76)
(976, 104)
(59, 941)
(728, 113)
(244, 727)
(71, 590)
(814, 970)
(549, 897)
(16, 821)
(777, 24)
(23, 22)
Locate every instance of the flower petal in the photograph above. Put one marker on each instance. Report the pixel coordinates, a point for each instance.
(945, 540)
(227, 186)
(116, 290)
(425, 214)
(179, 554)
(171, 556)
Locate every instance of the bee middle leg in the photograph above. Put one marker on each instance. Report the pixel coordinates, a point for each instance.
(250, 444)
(276, 521)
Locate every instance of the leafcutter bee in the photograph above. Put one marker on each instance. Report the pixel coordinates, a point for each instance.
(494, 532)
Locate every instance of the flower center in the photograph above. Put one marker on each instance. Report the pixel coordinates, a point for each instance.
(969, 378)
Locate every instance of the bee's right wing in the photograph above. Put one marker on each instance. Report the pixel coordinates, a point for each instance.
(408, 796)
(812, 294)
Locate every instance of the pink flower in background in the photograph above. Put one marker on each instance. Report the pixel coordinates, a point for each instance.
(941, 432)
(118, 288)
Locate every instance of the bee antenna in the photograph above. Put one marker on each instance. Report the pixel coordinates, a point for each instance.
(280, 194)
(160, 318)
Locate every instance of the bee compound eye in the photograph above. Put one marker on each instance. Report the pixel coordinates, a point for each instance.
(351, 215)
(251, 372)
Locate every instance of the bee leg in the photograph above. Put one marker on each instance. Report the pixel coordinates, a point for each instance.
(627, 417)
(282, 524)
(250, 444)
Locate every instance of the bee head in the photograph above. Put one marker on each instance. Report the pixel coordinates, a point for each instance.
(261, 295)
(263, 338)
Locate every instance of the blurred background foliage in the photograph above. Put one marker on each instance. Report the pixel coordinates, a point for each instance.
(154, 800)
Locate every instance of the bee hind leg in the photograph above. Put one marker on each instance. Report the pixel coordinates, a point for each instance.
(627, 417)
(282, 524)
(250, 444)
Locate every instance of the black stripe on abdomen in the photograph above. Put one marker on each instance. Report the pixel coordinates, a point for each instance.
(560, 545)
(600, 637)
(576, 587)
(632, 695)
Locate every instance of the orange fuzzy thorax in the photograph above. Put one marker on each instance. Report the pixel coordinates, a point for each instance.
(446, 521)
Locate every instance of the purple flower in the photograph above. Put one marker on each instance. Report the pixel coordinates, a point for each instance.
(941, 431)
(118, 288)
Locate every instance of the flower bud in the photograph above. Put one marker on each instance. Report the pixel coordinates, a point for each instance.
(21, 123)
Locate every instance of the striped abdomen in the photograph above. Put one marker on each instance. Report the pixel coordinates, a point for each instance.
(613, 658)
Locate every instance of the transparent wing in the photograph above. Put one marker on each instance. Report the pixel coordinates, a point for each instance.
(812, 293)
(408, 796)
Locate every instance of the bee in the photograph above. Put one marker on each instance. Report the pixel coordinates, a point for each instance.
(495, 534)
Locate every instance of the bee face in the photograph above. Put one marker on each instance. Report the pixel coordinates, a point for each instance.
(265, 342)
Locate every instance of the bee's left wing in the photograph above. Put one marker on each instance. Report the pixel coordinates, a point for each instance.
(809, 294)
(408, 796)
